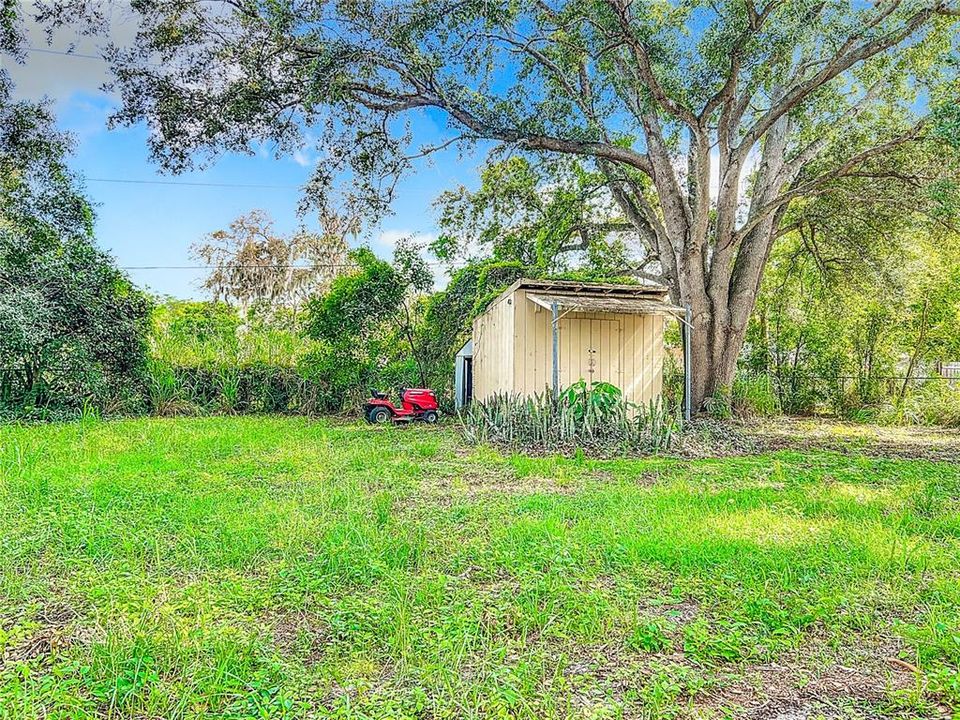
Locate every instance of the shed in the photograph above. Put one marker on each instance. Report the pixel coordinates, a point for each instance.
(547, 334)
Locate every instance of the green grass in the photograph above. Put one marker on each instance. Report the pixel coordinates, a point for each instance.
(264, 567)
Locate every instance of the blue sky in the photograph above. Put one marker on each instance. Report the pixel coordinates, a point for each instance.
(155, 224)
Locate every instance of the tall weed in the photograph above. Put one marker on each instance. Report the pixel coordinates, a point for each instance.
(934, 403)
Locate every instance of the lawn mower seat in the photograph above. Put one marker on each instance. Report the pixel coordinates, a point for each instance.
(376, 394)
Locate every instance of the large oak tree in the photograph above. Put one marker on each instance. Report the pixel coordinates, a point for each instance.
(708, 118)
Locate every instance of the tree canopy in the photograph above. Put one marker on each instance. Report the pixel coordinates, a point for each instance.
(251, 263)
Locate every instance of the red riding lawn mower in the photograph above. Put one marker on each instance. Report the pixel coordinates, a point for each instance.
(415, 404)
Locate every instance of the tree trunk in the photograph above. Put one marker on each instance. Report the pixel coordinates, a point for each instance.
(918, 348)
(712, 373)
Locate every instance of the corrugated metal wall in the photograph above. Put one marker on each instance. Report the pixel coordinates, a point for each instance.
(625, 350)
(493, 344)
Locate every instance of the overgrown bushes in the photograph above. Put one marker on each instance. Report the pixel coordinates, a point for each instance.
(934, 401)
(593, 418)
(256, 388)
(204, 359)
(72, 326)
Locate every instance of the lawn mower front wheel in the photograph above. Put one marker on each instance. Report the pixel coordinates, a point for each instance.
(380, 415)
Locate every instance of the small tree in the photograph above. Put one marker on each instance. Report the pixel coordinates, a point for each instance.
(251, 263)
(364, 316)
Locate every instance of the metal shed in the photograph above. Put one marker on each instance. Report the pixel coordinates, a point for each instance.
(544, 334)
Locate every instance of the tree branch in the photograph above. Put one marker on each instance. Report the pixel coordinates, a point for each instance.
(812, 186)
(847, 56)
(644, 65)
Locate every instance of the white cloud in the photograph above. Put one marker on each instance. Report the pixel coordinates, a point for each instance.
(46, 72)
(301, 158)
(386, 242)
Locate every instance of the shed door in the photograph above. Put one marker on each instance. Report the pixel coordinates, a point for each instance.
(589, 349)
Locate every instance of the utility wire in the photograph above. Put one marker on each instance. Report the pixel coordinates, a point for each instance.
(260, 267)
(65, 53)
(187, 183)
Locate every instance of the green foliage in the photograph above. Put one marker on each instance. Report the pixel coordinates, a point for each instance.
(368, 326)
(946, 122)
(536, 215)
(719, 405)
(187, 333)
(357, 303)
(831, 329)
(232, 389)
(72, 326)
(343, 376)
(205, 359)
(592, 418)
(649, 636)
(754, 395)
(931, 403)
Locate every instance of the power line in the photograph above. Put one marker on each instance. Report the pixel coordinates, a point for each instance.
(259, 267)
(193, 183)
(65, 53)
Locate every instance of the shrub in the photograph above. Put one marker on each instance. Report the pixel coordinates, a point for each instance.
(933, 403)
(719, 405)
(188, 333)
(72, 327)
(754, 395)
(594, 418)
(231, 389)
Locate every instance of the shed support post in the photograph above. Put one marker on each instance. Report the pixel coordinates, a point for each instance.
(555, 323)
(687, 330)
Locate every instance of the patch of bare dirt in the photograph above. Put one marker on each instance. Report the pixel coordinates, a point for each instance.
(908, 442)
(50, 632)
(816, 682)
(680, 612)
(809, 685)
(299, 633)
(441, 489)
(706, 438)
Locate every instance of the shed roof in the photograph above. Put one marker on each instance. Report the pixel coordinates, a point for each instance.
(575, 295)
(586, 288)
(610, 303)
(467, 349)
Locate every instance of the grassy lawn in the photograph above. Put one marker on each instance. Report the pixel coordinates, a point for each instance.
(275, 567)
